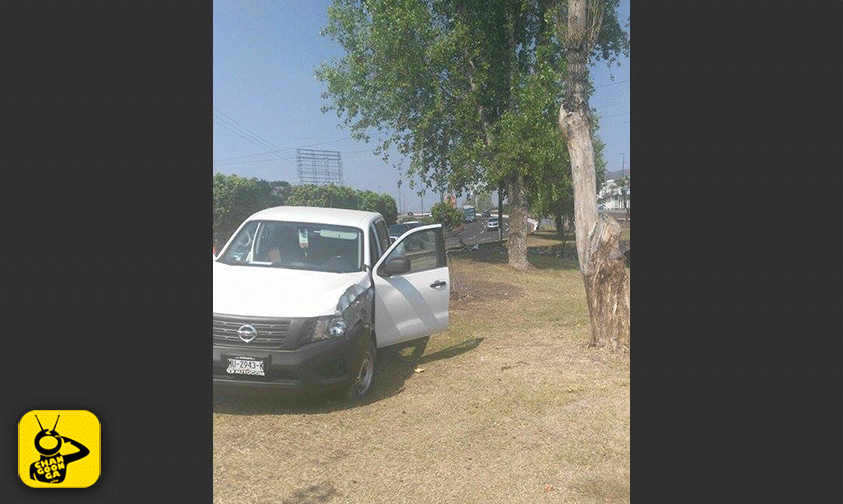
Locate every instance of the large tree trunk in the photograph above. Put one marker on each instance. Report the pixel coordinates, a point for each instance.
(601, 263)
(577, 133)
(517, 242)
(607, 286)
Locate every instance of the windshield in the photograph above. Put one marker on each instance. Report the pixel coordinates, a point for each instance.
(297, 245)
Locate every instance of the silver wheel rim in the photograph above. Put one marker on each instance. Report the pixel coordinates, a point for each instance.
(364, 376)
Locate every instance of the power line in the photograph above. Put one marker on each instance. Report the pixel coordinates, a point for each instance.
(245, 136)
(249, 162)
(611, 105)
(614, 115)
(250, 138)
(611, 84)
(225, 121)
(290, 149)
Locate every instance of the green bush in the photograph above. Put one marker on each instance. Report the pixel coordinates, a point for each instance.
(448, 216)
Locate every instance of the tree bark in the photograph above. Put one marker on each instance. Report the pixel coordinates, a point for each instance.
(601, 262)
(575, 127)
(517, 241)
(607, 286)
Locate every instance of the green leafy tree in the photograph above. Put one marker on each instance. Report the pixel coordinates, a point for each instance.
(368, 201)
(328, 196)
(445, 214)
(446, 83)
(482, 201)
(384, 204)
(274, 193)
(554, 192)
(235, 198)
(388, 208)
(336, 196)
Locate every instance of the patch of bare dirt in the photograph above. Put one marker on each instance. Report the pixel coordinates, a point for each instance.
(466, 290)
(480, 290)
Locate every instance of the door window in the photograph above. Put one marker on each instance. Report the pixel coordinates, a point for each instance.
(425, 250)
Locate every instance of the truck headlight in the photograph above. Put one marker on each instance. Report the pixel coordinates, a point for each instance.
(329, 327)
(350, 308)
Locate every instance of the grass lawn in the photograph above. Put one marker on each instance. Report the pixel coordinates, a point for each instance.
(509, 404)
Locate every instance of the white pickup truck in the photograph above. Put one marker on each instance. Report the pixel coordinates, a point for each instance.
(304, 296)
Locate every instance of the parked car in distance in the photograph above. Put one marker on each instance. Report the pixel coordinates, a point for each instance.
(396, 230)
(492, 224)
(304, 297)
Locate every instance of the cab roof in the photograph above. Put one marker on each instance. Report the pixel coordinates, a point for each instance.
(317, 215)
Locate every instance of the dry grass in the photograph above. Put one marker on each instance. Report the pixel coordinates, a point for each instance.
(511, 406)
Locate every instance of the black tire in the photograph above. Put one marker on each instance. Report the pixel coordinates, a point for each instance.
(365, 374)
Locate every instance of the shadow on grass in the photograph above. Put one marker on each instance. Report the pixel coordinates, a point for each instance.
(553, 263)
(495, 253)
(323, 492)
(452, 351)
(394, 365)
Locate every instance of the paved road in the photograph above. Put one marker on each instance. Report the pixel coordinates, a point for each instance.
(475, 232)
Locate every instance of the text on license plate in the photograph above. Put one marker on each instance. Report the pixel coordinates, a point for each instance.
(245, 366)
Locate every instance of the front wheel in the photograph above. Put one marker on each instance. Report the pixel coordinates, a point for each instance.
(365, 374)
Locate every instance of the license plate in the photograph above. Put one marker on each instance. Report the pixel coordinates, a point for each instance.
(245, 366)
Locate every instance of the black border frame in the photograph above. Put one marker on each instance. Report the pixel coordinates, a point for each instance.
(107, 128)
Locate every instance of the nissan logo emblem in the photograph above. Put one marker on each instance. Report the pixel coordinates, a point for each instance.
(247, 333)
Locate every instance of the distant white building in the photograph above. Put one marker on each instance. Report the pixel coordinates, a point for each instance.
(611, 197)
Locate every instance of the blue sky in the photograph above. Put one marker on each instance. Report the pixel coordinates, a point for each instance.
(266, 98)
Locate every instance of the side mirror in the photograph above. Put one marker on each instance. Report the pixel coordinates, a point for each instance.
(395, 266)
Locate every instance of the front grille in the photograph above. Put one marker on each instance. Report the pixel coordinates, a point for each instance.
(271, 332)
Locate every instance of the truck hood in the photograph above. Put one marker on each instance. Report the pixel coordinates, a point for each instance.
(277, 292)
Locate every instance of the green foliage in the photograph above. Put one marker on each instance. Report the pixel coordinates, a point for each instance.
(482, 201)
(235, 198)
(388, 208)
(335, 196)
(328, 196)
(445, 214)
(435, 77)
(384, 204)
(470, 91)
(274, 193)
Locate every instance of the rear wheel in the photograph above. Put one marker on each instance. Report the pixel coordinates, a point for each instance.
(365, 374)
